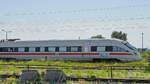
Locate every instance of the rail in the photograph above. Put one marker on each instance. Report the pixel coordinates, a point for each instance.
(110, 80)
(94, 79)
(77, 67)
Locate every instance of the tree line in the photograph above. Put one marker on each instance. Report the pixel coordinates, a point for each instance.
(115, 34)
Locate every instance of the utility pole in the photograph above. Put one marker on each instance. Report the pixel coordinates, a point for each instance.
(111, 69)
(79, 37)
(6, 33)
(142, 41)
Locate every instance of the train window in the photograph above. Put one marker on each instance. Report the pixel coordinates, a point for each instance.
(42, 49)
(37, 49)
(109, 48)
(46, 49)
(62, 49)
(10, 49)
(74, 49)
(1, 49)
(79, 49)
(93, 48)
(26, 49)
(57, 49)
(122, 50)
(101, 49)
(130, 46)
(4, 49)
(118, 49)
(21, 49)
(15, 49)
(68, 49)
(115, 49)
(31, 49)
(51, 49)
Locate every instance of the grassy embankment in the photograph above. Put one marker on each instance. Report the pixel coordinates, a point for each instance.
(144, 62)
(85, 73)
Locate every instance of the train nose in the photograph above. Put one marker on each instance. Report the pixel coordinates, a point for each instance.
(137, 56)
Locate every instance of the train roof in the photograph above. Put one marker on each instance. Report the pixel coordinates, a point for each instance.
(77, 40)
(10, 40)
(54, 42)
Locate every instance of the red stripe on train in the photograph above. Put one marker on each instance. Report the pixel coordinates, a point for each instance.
(78, 53)
(62, 54)
(49, 54)
(27, 54)
(120, 54)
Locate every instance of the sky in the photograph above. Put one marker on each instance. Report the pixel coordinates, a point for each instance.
(71, 19)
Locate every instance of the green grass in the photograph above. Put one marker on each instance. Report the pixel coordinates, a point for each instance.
(84, 73)
(143, 62)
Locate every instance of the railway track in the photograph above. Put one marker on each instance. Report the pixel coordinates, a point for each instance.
(110, 80)
(107, 80)
(77, 67)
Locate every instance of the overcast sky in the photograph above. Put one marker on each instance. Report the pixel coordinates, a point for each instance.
(71, 19)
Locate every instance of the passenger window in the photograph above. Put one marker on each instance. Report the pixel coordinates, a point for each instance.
(93, 48)
(51, 49)
(109, 48)
(74, 49)
(68, 49)
(79, 49)
(101, 49)
(31, 49)
(1, 49)
(5, 49)
(62, 49)
(10, 50)
(46, 49)
(37, 49)
(42, 49)
(118, 49)
(15, 49)
(57, 49)
(122, 50)
(21, 49)
(26, 49)
(115, 49)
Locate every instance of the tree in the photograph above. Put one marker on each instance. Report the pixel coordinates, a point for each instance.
(97, 36)
(119, 35)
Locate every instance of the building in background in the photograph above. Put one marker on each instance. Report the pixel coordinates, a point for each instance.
(143, 49)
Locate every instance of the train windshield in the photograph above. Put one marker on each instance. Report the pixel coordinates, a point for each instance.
(130, 46)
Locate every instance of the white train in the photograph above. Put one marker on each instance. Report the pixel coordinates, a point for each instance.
(73, 50)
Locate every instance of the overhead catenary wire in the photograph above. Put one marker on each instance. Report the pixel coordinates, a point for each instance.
(71, 23)
(20, 13)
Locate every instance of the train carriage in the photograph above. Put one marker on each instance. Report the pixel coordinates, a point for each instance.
(72, 50)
